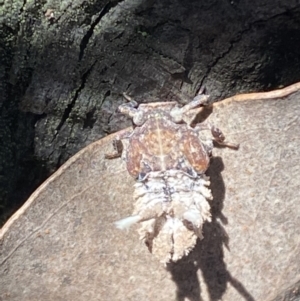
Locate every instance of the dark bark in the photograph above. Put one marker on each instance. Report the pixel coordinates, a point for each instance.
(65, 65)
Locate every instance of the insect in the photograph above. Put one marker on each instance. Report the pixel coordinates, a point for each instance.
(168, 159)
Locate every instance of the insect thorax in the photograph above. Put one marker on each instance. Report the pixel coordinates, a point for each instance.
(160, 145)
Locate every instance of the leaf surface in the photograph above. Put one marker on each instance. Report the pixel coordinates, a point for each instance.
(63, 245)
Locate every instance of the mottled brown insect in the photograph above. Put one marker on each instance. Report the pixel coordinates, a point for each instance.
(169, 160)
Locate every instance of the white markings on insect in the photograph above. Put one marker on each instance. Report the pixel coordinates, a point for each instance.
(169, 160)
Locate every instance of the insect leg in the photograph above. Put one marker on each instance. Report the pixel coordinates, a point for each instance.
(188, 112)
(129, 108)
(220, 138)
(131, 101)
(198, 100)
(118, 149)
(118, 145)
(217, 134)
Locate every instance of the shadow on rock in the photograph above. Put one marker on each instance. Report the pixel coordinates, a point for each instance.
(208, 255)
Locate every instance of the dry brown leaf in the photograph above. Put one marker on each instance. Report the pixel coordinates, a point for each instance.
(62, 244)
